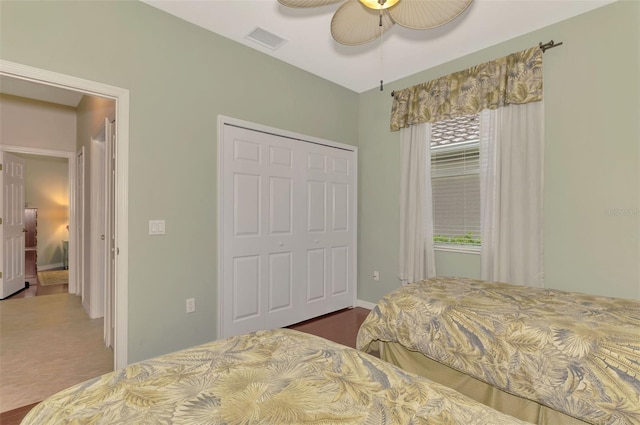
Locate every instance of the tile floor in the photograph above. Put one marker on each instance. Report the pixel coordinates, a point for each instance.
(47, 343)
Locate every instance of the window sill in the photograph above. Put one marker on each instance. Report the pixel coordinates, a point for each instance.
(458, 248)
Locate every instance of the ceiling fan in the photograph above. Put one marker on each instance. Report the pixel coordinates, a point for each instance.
(360, 21)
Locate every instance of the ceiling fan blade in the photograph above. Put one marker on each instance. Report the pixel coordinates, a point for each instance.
(307, 3)
(426, 14)
(354, 24)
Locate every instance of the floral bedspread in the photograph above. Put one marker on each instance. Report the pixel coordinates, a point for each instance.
(576, 353)
(268, 377)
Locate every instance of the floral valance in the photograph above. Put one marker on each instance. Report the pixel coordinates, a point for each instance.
(513, 79)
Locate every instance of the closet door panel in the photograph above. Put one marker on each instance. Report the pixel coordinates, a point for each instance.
(316, 281)
(339, 270)
(246, 287)
(316, 206)
(340, 212)
(280, 206)
(280, 281)
(246, 201)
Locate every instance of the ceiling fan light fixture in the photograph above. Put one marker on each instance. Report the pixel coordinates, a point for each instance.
(361, 21)
(379, 4)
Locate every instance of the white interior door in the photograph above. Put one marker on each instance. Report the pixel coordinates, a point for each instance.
(13, 170)
(95, 290)
(109, 231)
(80, 222)
(288, 239)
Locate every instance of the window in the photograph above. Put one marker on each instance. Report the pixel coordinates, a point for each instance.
(455, 181)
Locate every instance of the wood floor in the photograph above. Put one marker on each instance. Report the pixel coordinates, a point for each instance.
(15, 416)
(341, 327)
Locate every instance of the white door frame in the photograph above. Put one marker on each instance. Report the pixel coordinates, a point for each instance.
(121, 97)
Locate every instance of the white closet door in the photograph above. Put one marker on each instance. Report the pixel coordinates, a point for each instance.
(259, 238)
(328, 177)
(287, 242)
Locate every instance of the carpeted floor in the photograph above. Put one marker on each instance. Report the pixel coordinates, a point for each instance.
(48, 344)
(53, 277)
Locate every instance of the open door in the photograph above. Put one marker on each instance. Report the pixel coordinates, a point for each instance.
(80, 223)
(109, 231)
(12, 228)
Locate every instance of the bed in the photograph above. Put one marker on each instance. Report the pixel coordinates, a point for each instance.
(542, 355)
(278, 376)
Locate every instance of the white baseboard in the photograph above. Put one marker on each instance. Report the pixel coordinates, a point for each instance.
(365, 304)
(50, 266)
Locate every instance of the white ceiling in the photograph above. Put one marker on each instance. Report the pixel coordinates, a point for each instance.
(404, 52)
(309, 45)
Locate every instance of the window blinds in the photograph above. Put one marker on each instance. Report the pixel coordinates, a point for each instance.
(455, 180)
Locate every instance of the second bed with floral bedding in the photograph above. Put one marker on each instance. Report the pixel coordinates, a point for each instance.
(543, 355)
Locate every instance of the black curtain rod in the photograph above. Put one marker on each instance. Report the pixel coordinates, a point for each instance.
(549, 45)
(544, 47)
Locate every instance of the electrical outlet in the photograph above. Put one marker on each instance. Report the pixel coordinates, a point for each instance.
(191, 305)
(376, 275)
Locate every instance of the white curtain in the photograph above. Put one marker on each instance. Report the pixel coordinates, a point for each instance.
(511, 182)
(416, 256)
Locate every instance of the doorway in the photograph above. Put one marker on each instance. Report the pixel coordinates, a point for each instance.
(44, 212)
(45, 79)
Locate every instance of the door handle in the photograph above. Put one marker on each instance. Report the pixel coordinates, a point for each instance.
(24, 230)
(101, 237)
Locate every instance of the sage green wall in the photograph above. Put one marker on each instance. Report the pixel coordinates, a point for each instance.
(180, 77)
(462, 264)
(592, 158)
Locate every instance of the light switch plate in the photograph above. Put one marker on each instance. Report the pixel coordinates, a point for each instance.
(156, 227)
(191, 305)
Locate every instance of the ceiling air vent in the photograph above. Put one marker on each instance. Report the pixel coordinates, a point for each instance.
(266, 38)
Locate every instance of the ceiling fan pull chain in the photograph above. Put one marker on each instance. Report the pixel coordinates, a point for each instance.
(381, 53)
